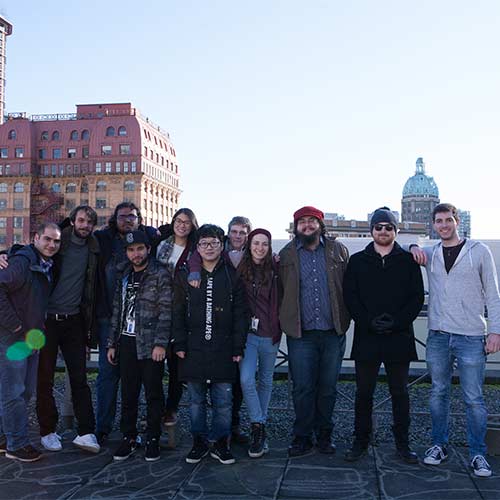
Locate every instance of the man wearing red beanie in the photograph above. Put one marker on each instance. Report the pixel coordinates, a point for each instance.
(315, 319)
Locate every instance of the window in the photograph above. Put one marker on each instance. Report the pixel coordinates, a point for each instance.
(18, 187)
(42, 154)
(71, 187)
(74, 135)
(4, 152)
(100, 203)
(108, 167)
(125, 166)
(110, 132)
(18, 204)
(133, 166)
(3, 222)
(122, 131)
(3, 187)
(129, 186)
(71, 152)
(69, 169)
(3, 239)
(56, 153)
(145, 133)
(45, 170)
(85, 152)
(84, 188)
(3, 204)
(55, 135)
(69, 204)
(61, 170)
(85, 135)
(101, 220)
(118, 167)
(56, 187)
(100, 186)
(12, 135)
(106, 150)
(124, 149)
(98, 167)
(44, 136)
(84, 201)
(53, 170)
(18, 222)
(19, 152)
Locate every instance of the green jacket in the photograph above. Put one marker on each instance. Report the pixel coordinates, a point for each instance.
(153, 309)
(337, 256)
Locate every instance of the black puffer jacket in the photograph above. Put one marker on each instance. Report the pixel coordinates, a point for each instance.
(210, 338)
(374, 285)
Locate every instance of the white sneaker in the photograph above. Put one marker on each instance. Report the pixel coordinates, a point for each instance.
(51, 442)
(87, 442)
(480, 466)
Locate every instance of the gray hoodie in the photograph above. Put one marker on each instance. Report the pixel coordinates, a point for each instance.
(457, 298)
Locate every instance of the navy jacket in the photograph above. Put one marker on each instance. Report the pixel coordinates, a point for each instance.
(24, 295)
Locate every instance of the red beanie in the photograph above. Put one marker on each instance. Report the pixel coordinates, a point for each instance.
(308, 212)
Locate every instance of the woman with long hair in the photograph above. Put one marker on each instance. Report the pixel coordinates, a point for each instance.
(174, 253)
(259, 272)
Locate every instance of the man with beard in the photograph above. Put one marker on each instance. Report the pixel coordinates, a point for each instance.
(140, 333)
(384, 293)
(315, 319)
(462, 281)
(69, 328)
(125, 219)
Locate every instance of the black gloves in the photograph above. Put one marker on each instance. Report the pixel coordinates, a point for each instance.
(383, 324)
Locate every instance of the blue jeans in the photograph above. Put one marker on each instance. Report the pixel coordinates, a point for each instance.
(107, 381)
(221, 396)
(442, 350)
(314, 361)
(17, 385)
(259, 357)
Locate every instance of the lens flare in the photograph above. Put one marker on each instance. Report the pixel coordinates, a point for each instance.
(35, 339)
(18, 351)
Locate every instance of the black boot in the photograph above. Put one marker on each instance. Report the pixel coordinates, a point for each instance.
(357, 451)
(324, 442)
(257, 440)
(406, 454)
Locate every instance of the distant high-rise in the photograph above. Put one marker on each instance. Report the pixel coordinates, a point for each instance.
(5, 31)
(464, 225)
(420, 196)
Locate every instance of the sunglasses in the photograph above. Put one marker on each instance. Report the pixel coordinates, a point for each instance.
(387, 227)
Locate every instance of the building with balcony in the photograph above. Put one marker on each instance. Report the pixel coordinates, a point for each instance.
(101, 155)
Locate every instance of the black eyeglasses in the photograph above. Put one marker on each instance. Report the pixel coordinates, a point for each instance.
(387, 227)
(211, 244)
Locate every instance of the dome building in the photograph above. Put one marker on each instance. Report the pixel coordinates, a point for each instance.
(420, 196)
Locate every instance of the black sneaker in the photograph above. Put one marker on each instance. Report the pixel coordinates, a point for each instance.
(300, 446)
(26, 454)
(220, 451)
(324, 443)
(258, 439)
(152, 450)
(3, 444)
(126, 448)
(408, 456)
(480, 466)
(102, 437)
(198, 451)
(435, 455)
(357, 451)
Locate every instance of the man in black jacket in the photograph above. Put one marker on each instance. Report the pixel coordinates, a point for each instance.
(24, 291)
(126, 218)
(209, 330)
(384, 293)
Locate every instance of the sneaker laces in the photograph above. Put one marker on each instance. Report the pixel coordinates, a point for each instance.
(480, 462)
(434, 452)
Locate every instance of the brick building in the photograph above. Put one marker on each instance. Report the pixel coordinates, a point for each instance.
(101, 155)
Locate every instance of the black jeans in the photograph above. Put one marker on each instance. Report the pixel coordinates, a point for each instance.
(174, 384)
(366, 380)
(134, 373)
(69, 336)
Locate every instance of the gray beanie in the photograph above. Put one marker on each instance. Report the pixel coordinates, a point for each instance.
(383, 215)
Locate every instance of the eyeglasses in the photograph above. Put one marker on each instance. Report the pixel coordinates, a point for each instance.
(387, 227)
(128, 217)
(179, 222)
(209, 244)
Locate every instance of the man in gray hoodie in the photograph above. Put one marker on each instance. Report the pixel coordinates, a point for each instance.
(462, 281)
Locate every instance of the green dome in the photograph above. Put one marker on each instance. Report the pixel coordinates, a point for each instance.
(420, 184)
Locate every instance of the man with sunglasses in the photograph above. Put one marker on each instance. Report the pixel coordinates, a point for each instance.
(209, 328)
(384, 293)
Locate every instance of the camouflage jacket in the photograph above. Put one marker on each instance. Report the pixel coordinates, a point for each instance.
(153, 309)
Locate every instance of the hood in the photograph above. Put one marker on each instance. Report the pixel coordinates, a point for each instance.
(466, 252)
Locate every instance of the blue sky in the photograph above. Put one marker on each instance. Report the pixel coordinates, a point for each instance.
(272, 105)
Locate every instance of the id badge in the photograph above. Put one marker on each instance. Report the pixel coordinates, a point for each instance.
(254, 325)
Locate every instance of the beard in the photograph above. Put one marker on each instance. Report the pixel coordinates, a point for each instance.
(80, 235)
(308, 239)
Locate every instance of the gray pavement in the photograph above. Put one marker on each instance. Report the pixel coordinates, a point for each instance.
(73, 474)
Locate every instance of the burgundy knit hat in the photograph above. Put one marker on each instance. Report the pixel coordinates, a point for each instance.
(308, 212)
(259, 230)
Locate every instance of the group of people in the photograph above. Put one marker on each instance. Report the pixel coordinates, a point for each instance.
(214, 307)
